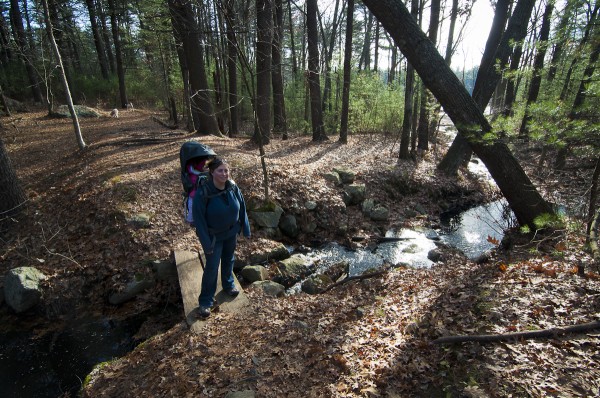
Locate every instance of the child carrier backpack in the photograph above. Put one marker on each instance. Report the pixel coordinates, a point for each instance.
(192, 158)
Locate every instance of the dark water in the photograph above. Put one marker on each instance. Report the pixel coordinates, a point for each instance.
(56, 363)
(477, 230)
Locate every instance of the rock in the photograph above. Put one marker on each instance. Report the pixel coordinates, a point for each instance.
(254, 273)
(333, 177)
(279, 252)
(292, 270)
(22, 288)
(241, 394)
(411, 248)
(309, 227)
(165, 270)
(432, 235)
(310, 205)
(379, 213)
(267, 219)
(347, 176)
(315, 284)
(272, 233)
(354, 194)
(410, 213)
(269, 288)
(80, 110)
(140, 220)
(289, 226)
(133, 288)
(483, 257)
(420, 209)
(367, 206)
(434, 255)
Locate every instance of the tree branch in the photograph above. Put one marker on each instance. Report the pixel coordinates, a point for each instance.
(544, 333)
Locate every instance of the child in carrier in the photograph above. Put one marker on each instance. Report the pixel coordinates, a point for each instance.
(194, 167)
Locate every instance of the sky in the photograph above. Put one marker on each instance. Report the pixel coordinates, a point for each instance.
(476, 33)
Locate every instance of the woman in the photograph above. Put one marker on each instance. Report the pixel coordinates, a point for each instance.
(219, 215)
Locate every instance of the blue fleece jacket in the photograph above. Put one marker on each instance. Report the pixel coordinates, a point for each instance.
(219, 214)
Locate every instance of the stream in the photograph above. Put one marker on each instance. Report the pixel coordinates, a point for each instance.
(56, 363)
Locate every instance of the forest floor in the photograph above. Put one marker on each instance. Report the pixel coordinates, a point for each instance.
(367, 338)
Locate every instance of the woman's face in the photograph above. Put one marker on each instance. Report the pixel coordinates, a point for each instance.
(221, 173)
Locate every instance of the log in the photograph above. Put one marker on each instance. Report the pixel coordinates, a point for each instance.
(534, 334)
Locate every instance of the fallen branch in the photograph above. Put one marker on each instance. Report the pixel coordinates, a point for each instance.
(544, 333)
(384, 239)
(355, 278)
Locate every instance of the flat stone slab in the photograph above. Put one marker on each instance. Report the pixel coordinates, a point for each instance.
(190, 271)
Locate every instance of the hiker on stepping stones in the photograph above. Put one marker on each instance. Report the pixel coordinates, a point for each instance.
(219, 215)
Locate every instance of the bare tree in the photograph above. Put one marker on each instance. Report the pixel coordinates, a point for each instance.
(316, 112)
(524, 199)
(347, 72)
(63, 77)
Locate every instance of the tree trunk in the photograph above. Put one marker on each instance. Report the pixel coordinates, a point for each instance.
(279, 118)
(347, 73)
(184, 21)
(114, 23)
(106, 36)
(292, 42)
(97, 39)
(232, 22)
(63, 77)
(593, 201)
(24, 50)
(538, 65)
(316, 112)
(329, 57)
(365, 55)
(12, 197)
(524, 199)
(409, 94)
(488, 76)
(424, 115)
(264, 38)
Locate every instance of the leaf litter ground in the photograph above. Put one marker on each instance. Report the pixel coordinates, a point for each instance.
(361, 339)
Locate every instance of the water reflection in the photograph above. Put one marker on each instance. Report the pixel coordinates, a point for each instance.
(477, 230)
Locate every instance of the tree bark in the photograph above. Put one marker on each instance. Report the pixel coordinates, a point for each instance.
(524, 199)
(409, 94)
(264, 38)
(185, 23)
(232, 22)
(347, 73)
(316, 112)
(98, 43)
(106, 36)
(279, 118)
(497, 49)
(25, 51)
(12, 197)
(114, 24)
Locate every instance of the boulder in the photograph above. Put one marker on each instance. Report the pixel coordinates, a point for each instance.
(292, 270)
(347, 176)
(379, 213)
(310, 205)
(289, 226)
(277, 253)
(267, 219)
(333, 177)
(315, 284)
(254, 273)
(22, 288)
(269, 288)
(354, 194)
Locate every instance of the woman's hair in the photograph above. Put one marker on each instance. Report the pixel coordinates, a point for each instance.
(215, 163)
